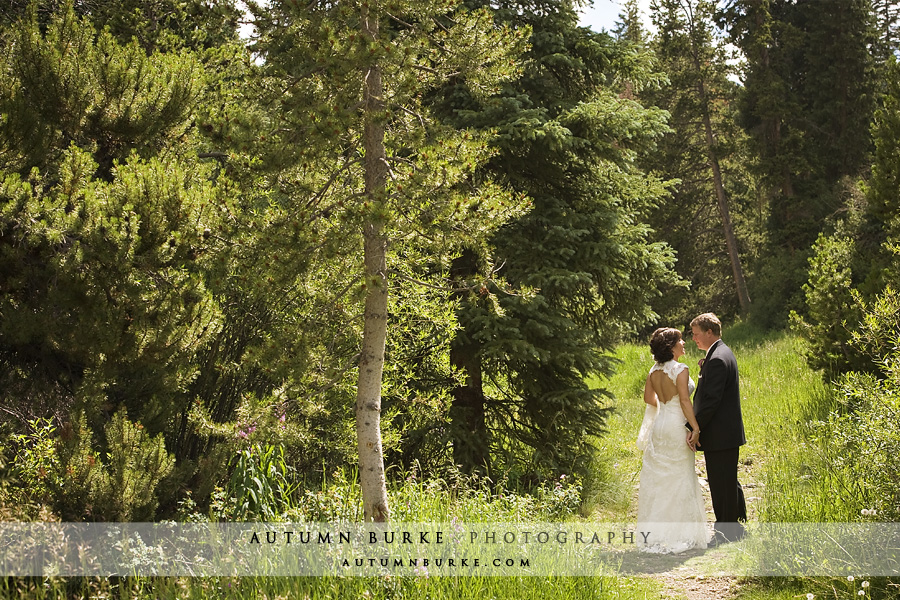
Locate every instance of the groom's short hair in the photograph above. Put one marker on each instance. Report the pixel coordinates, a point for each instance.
(708, 322)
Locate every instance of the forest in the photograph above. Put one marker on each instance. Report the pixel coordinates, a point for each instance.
(377, 248)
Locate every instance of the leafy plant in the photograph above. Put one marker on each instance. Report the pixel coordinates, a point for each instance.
(261, 483)
(36, 462)
(850, 455)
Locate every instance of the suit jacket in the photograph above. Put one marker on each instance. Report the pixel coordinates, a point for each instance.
(717, 401)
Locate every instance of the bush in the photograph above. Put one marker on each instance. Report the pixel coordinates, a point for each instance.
(36, 462)
(832, 307)
(850, 470)
(123, 488)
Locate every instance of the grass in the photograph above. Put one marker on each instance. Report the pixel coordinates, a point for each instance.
(412, 500)
(778, 392)
(779, 395)
(314, 588)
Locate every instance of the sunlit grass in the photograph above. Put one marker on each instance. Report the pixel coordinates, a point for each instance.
(778, 393)
(780, 396)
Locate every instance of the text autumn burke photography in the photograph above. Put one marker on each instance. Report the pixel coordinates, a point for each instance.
(437, 537)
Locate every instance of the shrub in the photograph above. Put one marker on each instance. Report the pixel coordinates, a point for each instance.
(856, 448)
(123, 488)
(36, 462)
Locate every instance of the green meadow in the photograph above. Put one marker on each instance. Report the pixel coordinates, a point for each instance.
(780, 397)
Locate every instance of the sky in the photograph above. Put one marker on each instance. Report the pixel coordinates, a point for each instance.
(603, 14)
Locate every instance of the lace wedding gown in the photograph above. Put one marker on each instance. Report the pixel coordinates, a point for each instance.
(670, 504)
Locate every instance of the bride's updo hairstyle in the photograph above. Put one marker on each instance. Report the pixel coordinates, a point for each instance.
(661, 343)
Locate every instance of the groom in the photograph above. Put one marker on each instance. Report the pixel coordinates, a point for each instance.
(717, 406)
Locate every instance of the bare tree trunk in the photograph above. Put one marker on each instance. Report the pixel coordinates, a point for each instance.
(468, 427)
(730, 240)
(371, 359)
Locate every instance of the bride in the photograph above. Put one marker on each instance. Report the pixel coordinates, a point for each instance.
(670, 504)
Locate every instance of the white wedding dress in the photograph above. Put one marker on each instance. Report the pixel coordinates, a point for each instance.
(670, 504)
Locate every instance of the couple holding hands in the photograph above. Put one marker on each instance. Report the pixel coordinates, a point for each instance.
(670, 503)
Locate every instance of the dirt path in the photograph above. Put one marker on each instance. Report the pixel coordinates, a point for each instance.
(688, 579)
(698, 587)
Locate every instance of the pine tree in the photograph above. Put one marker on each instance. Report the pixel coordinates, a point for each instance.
(855, 262)
(807, 105)
(887, 28)
(565, 281)
(110, 225)
(629, 27)
(156, 25)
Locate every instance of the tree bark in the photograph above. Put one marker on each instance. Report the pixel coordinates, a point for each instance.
(371, 359)
(730, 240)
(468, 428)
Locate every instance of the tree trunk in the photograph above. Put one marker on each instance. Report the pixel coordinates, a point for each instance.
(470, 435)
(371, 358)
(468, 429)
(730, 240)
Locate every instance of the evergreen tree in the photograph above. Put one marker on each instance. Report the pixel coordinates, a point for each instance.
(568, 279)
(855, 263)
(702, 153)
(109, 228)
(156, 25)
(807, 105)
(145, 266)
(887, 28)
(629, 28)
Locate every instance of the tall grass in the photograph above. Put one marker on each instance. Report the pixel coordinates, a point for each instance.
(783, 467)
(779, 394)
(328, 588)
(412, 499)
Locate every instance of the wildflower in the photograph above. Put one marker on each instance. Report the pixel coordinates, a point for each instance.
(865, 584)
(810, 596)
(861, 593)
(850, 577)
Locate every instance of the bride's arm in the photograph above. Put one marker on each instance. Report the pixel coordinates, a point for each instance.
(649, 394)
(681, 382)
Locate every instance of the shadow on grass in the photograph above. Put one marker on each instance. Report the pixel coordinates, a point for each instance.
(712, 561)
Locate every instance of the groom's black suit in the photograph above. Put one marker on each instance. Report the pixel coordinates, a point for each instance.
(717, 406)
